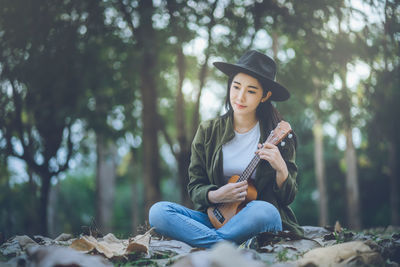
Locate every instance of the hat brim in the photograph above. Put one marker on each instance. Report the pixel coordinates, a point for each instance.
(279, 92)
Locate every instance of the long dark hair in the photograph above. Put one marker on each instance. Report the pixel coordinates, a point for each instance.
(266, 113)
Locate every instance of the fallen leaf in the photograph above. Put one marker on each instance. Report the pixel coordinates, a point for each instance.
(109, 245)
(63, 237)
(140, 243)
(340, 254)
(83, 244)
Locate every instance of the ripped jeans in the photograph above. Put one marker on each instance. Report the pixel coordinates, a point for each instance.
(194, 227)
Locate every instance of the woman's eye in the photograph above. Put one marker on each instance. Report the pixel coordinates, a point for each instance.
(252, 92)
(236, 87)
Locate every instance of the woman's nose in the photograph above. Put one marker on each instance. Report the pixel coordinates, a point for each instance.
(241, 95)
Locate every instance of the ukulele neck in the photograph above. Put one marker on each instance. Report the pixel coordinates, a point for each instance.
(282, 130)
(250, 169)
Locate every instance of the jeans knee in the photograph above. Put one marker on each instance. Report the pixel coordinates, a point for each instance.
(268, 215)
(157, 213)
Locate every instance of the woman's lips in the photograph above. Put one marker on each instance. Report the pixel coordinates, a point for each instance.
(239, 106)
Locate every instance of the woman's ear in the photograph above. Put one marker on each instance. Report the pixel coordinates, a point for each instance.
(265, 98)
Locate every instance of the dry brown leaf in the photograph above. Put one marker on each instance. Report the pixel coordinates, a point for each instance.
(139, 243)
(109, 246)
(83, 244)
(339, 254)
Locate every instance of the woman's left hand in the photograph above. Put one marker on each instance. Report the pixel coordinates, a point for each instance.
(271, 153)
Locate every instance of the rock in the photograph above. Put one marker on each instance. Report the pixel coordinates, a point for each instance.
(16, 245)
(314, 232)
(63, 256)
(168, 246)
(42, 240)
(223, 254)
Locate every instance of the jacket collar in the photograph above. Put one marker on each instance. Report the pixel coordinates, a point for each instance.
(228, 131)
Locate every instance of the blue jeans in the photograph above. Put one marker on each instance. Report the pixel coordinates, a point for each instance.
(194, 227)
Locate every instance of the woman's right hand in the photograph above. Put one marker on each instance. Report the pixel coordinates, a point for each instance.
(231, 192)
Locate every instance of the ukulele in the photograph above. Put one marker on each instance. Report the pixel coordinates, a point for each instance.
(220, 214)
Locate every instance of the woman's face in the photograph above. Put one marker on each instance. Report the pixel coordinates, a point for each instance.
(246, 93)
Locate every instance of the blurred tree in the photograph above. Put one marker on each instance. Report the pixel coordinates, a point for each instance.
(310, 74)
(41, 86)
(181, 14)
(382, 89)
(139, 17)
(344, 52)
(109, 83)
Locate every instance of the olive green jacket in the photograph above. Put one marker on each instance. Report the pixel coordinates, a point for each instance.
(206, 170)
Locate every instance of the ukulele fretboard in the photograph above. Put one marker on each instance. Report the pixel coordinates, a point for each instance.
(250, 168)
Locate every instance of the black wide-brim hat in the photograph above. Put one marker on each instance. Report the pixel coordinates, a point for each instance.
(261, 67)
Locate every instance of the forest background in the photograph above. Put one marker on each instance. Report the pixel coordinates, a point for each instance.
(99, 102)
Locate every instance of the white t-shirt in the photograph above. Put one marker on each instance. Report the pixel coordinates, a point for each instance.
(238, 152)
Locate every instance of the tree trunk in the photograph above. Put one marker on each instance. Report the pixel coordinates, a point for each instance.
(275, 45)
(135, 198)
(105, 183)
(320, 172)
(394, 186)
(392, 148)
(44, 196)
(352, 192)
(148, 88)
(31, 221)
(202, 81)
(52, 210)
(135, 208)
(203, 71)
(184, 151)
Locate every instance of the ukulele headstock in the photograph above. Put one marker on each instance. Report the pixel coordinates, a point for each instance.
(281, 131)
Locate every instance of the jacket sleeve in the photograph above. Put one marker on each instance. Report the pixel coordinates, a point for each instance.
(199, 183)
(286, 194)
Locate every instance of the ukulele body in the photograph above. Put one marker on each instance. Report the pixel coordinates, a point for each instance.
(220, 214)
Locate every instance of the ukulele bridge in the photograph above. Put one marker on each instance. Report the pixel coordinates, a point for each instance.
(218, 215)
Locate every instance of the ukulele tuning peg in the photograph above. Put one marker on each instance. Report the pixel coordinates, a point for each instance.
(290, 135)
(283, 143)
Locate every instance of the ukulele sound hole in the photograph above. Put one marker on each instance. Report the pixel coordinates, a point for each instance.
(218, 215)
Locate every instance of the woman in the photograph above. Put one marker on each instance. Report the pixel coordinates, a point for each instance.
(224, 147)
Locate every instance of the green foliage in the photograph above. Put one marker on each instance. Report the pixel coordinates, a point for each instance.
(17, 209)
(74, 208)
(122, 220)
(282, 255)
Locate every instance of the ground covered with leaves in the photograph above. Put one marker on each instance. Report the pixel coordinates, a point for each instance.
(318, 247)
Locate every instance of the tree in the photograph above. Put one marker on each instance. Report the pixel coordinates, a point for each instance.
(382, 90)
(110, 96)
(344, 52)
(145, 42)
(41, 86)
(180, 14)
